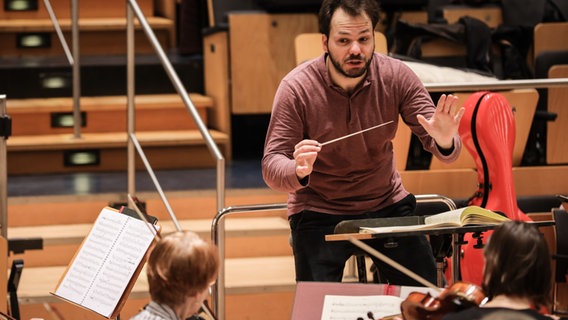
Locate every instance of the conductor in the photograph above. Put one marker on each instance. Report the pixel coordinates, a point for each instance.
(350, 88)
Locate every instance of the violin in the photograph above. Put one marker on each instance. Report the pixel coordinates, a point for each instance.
(457, 297)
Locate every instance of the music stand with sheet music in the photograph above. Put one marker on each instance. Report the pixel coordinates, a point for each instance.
(351, 230)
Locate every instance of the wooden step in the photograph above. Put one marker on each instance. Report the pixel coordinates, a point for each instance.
(104, 75)
(84, 208)
(64, 220)
(110, 140)
(105, 113)
(61, 8)
(234, 227)
(97, 36)
(90, 24)
(164, 128)
(243, 276)
(242, 238)
(107, 151)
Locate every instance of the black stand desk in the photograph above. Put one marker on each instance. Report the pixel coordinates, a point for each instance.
(351, 229)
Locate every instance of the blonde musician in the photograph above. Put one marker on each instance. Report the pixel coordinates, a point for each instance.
(180, 269)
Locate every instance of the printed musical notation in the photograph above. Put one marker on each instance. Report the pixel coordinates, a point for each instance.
(352, 307)
(106, 262)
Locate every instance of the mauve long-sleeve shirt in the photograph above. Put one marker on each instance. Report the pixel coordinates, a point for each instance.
(358, 174)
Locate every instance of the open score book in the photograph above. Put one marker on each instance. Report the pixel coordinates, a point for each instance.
(472, 215)
(104, 269)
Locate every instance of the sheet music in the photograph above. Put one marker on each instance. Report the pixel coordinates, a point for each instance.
(353, 307)
(106, 262)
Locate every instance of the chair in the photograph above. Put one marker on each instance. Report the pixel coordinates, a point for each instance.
(550, 61)
(560, 306)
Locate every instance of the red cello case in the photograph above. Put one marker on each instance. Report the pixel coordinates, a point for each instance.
(487, 130)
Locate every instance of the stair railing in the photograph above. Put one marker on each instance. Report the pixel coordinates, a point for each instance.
(133, 10)
(72, 58)
(5, 131)
(496, 85)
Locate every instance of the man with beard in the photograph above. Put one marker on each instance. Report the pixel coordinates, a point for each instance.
(348, 89)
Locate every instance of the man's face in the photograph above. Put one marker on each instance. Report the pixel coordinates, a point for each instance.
(350, 44)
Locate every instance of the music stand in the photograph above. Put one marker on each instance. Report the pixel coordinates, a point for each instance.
(456, 232)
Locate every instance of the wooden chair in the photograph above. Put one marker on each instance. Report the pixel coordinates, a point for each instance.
(546, 40)
(4, 275)
(547, 37)
(556, 145)
(560, 257)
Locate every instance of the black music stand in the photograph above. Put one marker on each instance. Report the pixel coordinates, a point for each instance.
(344, 233)
(13, 283)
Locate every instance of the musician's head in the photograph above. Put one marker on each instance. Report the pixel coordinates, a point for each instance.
(180, 269)
(368, 8)
(348, 37)
(517, 263)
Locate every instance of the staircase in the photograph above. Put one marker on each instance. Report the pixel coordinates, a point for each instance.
(38, 84)
(42, 129)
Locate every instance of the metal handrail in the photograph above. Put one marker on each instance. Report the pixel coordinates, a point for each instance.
(174, 78)
(73, 59)
(219, 238)
(496, 85)
(133, 9)
(433, 198)
(155, 181)
(3, 175)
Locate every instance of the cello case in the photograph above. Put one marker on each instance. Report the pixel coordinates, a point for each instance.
(487, 130)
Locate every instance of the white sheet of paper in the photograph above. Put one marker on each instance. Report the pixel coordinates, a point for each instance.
(106, 262)
(352, 307)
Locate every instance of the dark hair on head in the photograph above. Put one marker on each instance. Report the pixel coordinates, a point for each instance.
(517, 263)
(181, 265)
(351, 7)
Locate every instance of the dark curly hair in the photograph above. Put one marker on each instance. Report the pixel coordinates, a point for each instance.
(351, 7)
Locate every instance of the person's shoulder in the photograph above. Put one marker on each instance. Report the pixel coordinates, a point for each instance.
(306, 71)
(383, 59)
(385, 63)
(470, 313)
(477, 313)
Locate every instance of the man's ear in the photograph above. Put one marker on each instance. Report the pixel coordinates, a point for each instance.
(324, 43)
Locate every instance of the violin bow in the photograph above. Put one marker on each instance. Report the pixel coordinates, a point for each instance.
(393, 263)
